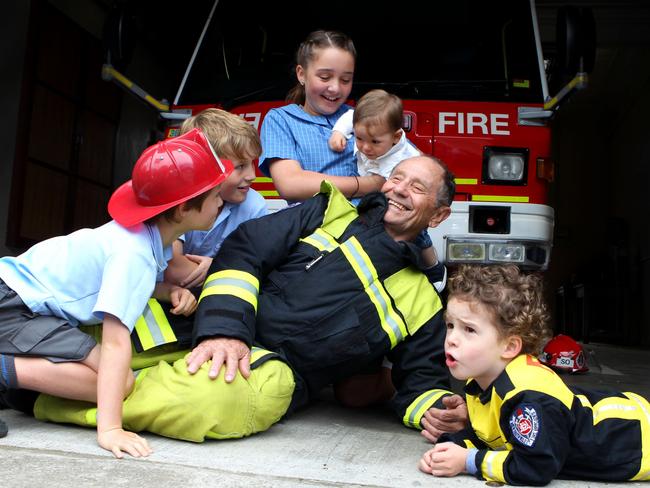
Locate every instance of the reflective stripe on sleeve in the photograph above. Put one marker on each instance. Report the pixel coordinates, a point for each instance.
(321, 240)
(644, 421)
(153, 328)
(492, 466)
(391, 321)
(414, 297)
(420, 405)
(232, 282)
(260, 356)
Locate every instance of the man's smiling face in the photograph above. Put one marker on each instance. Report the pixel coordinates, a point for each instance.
(412, 190)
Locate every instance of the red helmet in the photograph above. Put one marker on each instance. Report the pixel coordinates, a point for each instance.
(167, 174)
(564, 354)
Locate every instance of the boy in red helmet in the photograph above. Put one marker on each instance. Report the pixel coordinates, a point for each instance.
(528, 427)
(106, 275)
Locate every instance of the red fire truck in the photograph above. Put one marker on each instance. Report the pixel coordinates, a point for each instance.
(473, 81)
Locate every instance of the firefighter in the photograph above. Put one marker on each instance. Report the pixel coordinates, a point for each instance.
(332, 289)
(528, 427)
(295, 301)
(105, 275)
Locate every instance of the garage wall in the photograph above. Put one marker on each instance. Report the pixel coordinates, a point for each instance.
(138, 124)
(13, 36)
(601, 197)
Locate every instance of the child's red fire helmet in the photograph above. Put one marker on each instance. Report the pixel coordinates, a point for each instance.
(166, 174)
(564, 354)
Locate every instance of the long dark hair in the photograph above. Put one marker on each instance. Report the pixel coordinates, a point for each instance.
(319, 39)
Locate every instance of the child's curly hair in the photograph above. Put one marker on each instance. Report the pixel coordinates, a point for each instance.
(515, 299)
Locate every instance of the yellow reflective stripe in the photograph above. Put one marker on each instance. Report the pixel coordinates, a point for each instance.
(391, 321)
(466, 181)
(268, 193)
(152, 326)
(469, 444)
(492, 466)
(584, 401)
(499, 198)
(164, 326)
(262, 179)
(420, 405)
(321, 240)
(414, 296)
(339, 213)
(615, 408)
(258, 353)
(232, 282)
(644, 406)
(247, 280)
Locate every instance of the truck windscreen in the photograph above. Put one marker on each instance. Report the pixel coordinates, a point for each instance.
(462, 50)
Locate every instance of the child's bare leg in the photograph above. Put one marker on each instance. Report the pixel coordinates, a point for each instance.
(73, 380)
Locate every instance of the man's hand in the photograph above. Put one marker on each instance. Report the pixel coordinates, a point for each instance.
(337, 141)
(233, 352)
(183, 301)
(437, 421)
(445, 459)
(197, 276)
(118, 440)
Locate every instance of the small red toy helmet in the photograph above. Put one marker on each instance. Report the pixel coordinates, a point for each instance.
(167, 174)
(564, 354)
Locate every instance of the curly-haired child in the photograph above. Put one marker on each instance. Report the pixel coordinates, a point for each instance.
(526, 426)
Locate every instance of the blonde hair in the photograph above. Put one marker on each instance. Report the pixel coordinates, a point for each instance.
(515, 300)
(379, 108)
(230, 135)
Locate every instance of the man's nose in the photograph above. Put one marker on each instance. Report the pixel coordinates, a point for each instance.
(400, 187)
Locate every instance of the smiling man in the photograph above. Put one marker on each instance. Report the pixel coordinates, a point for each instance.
(331, 290)
(313, 295)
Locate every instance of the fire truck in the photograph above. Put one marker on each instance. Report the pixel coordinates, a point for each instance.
(475, 89)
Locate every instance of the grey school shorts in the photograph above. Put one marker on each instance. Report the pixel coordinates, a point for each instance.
(25, 333)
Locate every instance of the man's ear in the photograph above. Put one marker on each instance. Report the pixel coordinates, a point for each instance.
(439, 216)
(512, 347)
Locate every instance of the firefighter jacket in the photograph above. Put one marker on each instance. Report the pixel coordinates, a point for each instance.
(325, 286)
(530, 428)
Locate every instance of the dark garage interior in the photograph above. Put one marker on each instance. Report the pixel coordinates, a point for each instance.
(70, 138)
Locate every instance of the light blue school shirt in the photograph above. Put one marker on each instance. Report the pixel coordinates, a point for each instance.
(291, 133)
(208, 243)
(81, 276)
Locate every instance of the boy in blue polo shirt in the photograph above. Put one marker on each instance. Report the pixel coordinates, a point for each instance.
(237, 140)
(105, 275)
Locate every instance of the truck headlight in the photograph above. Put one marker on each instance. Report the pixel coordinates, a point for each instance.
(507, 253)
(466, 251)
(503, 165)
(525, 254)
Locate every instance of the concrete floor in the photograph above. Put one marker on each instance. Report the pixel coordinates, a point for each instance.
(325, 445)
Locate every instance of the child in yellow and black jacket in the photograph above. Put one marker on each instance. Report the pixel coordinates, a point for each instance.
(527, 426)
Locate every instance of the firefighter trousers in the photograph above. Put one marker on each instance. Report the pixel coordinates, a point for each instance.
(168, 401)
